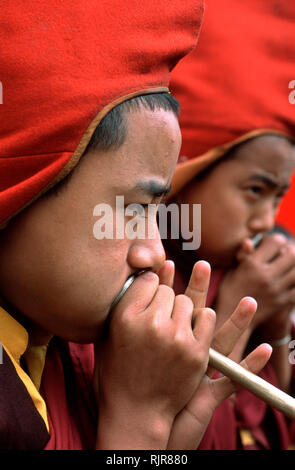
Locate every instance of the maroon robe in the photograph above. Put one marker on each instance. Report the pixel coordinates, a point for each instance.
(67, 390)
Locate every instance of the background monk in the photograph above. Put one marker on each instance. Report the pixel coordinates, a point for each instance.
(85, 94)
(237, 160)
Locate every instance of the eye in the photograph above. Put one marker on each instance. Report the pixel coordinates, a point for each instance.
(256, 189)
(254, 192)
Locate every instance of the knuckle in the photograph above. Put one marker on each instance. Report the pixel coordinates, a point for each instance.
(207, 314)
(153, 327)
(278, 238)
(251, 264)
(210, 314)
(291, 250)
(193, 355)
(184, 345)
(200, 360)
(166, 290)
(185, 302)
(180, 341)
(265, 279)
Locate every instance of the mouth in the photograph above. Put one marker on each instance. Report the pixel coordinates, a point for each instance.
(129, 281)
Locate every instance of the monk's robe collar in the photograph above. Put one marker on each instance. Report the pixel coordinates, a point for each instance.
(14, 338)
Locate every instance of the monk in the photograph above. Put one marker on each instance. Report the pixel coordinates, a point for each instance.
(237, 160)
(87, 118)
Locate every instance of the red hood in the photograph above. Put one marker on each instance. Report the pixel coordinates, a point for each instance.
(64, 65)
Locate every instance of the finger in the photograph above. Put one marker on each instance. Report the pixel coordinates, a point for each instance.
(287, 302)
(198, 285)
(204, 325)
(254, 362)
(228, 335)
(162, 305)
(285, 261)
(246, 249)
(270, 248)
(231, 331)
(166, 273)
(287, 282)
(140, 293)
(183, 312)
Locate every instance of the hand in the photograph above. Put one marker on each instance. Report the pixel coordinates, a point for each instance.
(191, 423)
(150, 365)
(268, 275)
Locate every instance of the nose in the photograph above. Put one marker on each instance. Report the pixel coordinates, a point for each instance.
(147, 253)
(263, 219)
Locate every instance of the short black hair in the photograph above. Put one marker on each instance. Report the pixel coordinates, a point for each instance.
(112, 130)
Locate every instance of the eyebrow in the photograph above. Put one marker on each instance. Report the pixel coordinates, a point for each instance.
(269, 181)
(152, 188)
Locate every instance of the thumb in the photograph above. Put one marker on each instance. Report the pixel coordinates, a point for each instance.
(247, 248)
(138, 295)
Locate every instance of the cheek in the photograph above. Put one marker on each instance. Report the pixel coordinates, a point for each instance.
(93, 281)
(225, 221)
(106, 260)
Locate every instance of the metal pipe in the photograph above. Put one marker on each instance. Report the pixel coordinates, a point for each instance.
(252, 382)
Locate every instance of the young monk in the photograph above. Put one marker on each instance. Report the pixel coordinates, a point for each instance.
(238, 156)
(77, 373)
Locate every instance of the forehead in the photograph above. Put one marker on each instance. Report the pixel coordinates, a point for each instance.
(153, 141)
(148, 154)
(271, 154)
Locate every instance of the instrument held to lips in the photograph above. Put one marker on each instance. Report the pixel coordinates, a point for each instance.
(255, 384)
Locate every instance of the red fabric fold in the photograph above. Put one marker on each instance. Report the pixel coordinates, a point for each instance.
(67, 390)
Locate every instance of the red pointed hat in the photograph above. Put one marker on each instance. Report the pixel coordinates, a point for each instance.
(236, 85)
(64, 65)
